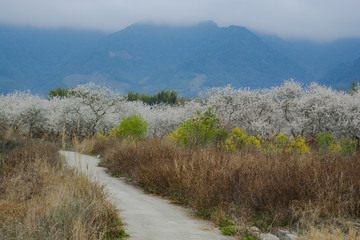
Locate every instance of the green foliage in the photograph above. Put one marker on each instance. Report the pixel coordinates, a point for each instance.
(228, 227)
(134, 127)
(167, 97)
(226, 222)
(200, 132)
(205, 213)
(262, 220)
(354, 88)
(248, 238)
(61, 93)
(282, 143)
(179, 199)
(119, 233)
(239, 138)
(325, 141)
(101, 164)
(101, 136)
(229, 230)
(348, 147)
(298, 144)
(327, 144)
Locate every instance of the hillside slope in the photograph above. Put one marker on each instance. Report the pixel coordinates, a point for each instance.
(152, 57)
(341, 76)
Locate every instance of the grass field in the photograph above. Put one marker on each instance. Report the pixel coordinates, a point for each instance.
(317, 194)
(42, 199)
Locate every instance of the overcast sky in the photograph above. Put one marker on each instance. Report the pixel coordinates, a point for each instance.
(309, 19)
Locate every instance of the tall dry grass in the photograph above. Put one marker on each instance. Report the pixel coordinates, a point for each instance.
(265, 190)
(41, 199)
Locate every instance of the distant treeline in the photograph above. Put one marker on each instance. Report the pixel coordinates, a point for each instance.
(165, 97)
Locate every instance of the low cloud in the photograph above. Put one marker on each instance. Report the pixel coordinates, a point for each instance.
(309, 19)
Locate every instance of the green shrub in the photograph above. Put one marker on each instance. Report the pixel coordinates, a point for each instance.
(327, 144)
(298, 144)
(101, 136)
(132, 127)
(348, 147)
(200, 132)
(281, 142)
(229, 230)
(239, 138)
(325, 140)
(228, 227)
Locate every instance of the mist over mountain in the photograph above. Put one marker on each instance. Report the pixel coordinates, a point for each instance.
(316, 58)
(149, 57)
(341, 75)
(28, 56)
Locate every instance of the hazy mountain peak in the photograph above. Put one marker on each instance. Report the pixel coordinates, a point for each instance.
(147, 57)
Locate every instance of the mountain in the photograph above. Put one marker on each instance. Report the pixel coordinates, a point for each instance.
(149, 58)
(341, 76)
(145, 57)
(28, 55)
(315, 57)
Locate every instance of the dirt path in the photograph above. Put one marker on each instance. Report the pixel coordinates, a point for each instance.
(146, 217)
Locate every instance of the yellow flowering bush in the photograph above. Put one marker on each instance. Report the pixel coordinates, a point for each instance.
(239, 138)
(335, 148)
(298, 144)
(101, 136)
(280, 143)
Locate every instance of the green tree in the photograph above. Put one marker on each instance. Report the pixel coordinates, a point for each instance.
(200, 132)
(60, 92)
(354, 88)
(167, 97)
(134, 126)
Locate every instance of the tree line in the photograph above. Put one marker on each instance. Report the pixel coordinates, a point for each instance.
(162, 97)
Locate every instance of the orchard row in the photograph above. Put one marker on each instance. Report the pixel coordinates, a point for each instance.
(292, 109)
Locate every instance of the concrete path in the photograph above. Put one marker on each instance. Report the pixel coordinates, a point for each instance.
(146, 217)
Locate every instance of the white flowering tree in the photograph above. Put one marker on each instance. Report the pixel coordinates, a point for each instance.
(290, 108)
(24, 110)
(95, 103)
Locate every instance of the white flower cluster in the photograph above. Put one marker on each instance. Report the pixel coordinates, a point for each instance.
(291, 108)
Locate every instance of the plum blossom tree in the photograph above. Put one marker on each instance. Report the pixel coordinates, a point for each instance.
(95, 102)
(291, 109)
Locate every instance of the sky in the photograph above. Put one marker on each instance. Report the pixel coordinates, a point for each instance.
(319, 20)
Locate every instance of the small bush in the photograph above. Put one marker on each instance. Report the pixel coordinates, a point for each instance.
(229, 230)
(348, 147)
(134, 127)
(327, 144)
(325, 141)
(298, 145)
(200, 132)
(282, 144)
(239, 139)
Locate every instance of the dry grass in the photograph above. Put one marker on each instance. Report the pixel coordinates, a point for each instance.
(84, 146)
(331, 234)
(264, 190)
(41, 199)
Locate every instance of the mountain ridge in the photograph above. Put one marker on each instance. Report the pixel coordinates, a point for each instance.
(148, 58)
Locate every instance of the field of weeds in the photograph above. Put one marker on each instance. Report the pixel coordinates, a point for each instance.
(306, 193)
(42, 199)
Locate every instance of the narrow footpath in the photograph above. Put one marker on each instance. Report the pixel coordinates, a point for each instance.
(146, 217)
